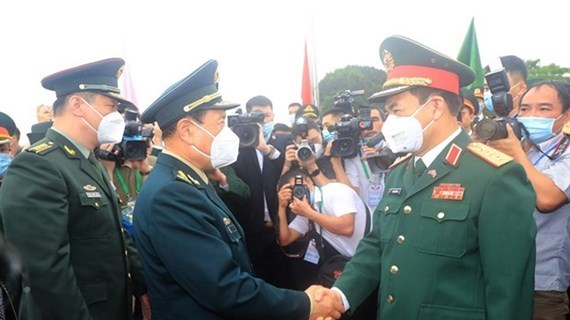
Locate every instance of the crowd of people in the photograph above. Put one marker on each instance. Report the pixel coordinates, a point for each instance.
(436, 200)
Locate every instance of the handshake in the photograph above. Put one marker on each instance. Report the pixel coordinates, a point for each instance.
(326, 304)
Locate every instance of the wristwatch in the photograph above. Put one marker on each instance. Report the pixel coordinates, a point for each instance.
(314, 173)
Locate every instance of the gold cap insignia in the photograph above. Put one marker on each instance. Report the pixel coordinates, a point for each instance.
(120, 71)
(388, 61)
(89, 187)
(69, 150)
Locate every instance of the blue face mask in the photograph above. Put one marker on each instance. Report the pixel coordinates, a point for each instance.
(292, 119)
(539, 129)
(327, 136)
(5, 160)
(268, 129)
(488, 101)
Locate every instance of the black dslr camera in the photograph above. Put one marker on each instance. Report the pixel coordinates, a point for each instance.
(496, 129)
(381, 161)
(134, 144)
(246, 127)
(300, 190)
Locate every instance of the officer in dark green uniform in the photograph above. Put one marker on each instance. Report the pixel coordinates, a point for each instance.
(453, 236)
(60, 211)
(192, 247)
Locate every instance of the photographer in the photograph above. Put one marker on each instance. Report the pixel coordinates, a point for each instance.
(544, 154)
(259, 167)
(308, 153)
(517, 74)
(335, 208)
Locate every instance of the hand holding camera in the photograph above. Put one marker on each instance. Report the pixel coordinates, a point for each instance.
(284, 195)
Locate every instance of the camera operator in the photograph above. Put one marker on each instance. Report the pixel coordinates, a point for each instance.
(544, 154)
(367, 184)
(260, 168)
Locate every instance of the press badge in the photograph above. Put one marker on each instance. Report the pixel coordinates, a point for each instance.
(312, 254)
(374, 193)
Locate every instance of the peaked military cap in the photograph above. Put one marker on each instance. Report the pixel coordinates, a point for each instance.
(197, 91)
(309, 111)
(478, 93)
(469, 100)
(7, 128)
(39, 131)
(99, 76)
(409, 63)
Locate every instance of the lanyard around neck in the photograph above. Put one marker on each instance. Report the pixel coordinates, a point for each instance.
(124, 184)
(364, 167)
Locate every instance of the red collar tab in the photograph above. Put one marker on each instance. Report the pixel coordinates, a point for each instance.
(453, 155)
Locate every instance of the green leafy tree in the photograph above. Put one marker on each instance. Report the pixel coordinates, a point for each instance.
(350, 78)
(549, 72)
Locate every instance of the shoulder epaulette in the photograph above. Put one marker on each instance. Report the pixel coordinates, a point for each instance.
(400, 161)
(492, 156)
(43, 148)
(186, 178)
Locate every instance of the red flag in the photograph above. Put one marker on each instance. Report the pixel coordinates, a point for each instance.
(306, 86)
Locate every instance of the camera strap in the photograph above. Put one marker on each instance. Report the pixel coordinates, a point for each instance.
(124, 185)
(558, 148)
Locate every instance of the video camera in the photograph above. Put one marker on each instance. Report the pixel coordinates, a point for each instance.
(300, 189)
(348, 131)
(496, 129)
(246, 127)
(134, 144)
(344, 100)
(381, 161)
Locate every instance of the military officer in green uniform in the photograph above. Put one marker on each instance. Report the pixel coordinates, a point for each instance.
(61, 213)
(453, 236)
(192, 248)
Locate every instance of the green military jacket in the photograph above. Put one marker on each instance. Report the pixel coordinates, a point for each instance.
(62, 215)
(458, 243)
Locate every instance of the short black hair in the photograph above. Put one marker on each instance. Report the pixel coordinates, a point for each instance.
(453, 101)
(334, 112)
(290, 174)
(513, 65)
(561, 87)
(295, 104)
(261, 101)
(281, 127)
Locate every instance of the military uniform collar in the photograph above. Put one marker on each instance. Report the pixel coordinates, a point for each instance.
(199, 171)
(431, 155)
(82, 149)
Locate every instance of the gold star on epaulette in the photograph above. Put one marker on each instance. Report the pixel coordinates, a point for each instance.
(492, 156)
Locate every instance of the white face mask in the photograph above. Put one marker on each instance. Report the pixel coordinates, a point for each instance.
(225, 147)
(404, 134)
(111, 127)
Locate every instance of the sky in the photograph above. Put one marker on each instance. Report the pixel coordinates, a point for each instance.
(258, 44)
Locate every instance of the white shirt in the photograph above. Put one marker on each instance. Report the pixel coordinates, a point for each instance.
(337, 200)
(274, 156)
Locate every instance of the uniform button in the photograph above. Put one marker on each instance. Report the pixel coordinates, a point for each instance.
(401, 239)
(407, 210)
(386, 208)
(394, 269)
(390, 298)
(97, 205)
(126, 253)
(129, 275)
(441, 215)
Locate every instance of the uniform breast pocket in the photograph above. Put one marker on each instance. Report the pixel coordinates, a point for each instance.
(442, 229)
(388, 214)
(94, 218)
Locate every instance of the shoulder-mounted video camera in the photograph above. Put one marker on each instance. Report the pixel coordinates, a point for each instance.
(345, 99)
(381, 161)
(246, 127)
(348, 132)
(134, 144)
(496, 129)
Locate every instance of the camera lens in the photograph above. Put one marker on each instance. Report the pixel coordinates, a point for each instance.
(248, 135)
(487, 129)
(304, 153)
